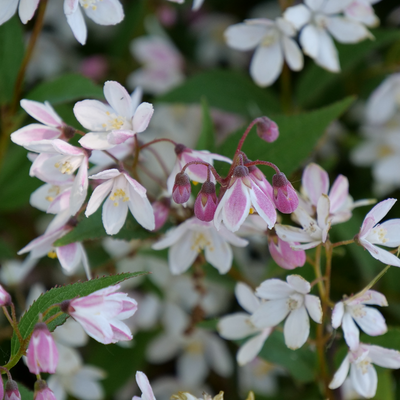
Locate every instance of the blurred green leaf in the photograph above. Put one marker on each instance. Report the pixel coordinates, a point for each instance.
(57, 295)
(301, 363)
(6, 251)
(26, 394)
(298, 136)
(11, 55)
(226, 90)
(390, 340)
(68, 87)
(386, 385)
(92, 228)
(207, 136)
(315, 81)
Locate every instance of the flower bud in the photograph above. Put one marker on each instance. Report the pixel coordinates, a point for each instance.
(12, 392)
(181, 190)
(42, 391)
(285, 197)
(5, 298)
(161, 212)
(42, 354)
(284, 255)
(267, 129)
(206, 202)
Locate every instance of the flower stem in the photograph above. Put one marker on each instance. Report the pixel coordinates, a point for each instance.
(260, 162)
(244, 136)
(342, 243)
(53, 317)
(143, 146)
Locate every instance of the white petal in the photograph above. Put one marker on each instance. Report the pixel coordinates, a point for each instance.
(141, 209)
(77, 25)
(346, 31)
(299, 284)
(381, 255)
(43, 113)
(246, 298)
(7, 10)
(351, 332)
(172, 237)
(27, 9)
(182, 255)
(243, 36)
(340, 374)
(292, 234)
(270, 313)
(313, 306)
(218, 355)
(310, 41)
(163, 348)
(296, 328)
(96, 141)
(107, 12)
(337, 314)
(97, 197)
(219, 253)
(142, 117)
(371, 322)
(386, 358)
(114, 216)
(364, 382)
(92, 114)
(335, 6)
(327, 57)
(236, 326)
(298, 15)
(249, 351)
(293, 54)
(118, 98)
(273, 289)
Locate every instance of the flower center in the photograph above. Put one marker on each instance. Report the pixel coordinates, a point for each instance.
(117, 195)
(358, 310)
(89, 3)
(200, 241)
(364, 364)
(270, 38)
(53, 192)
(295, 301)
(320, 21)
(115, 122)
(380, 234)
(67, 165)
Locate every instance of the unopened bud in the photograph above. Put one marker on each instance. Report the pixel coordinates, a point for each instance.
(5, 298)
(181, 190)
(284, 255)
(206, 202)
(285, 197)
(12, 392)
(267, 129)
(161, 212)
(42, 391)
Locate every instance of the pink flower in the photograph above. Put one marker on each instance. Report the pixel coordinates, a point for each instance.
(42, 355)
(145, 387)
(267, 129)
(161, 212)
(182, 189)
(239, 199)
(42, 391)
(101, 313)
(386, 234)
(285, 197)
(284, 255)
(206, 202)
(5, 298)
(12, 392)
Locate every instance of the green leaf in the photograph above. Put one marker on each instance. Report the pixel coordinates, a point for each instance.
(207, 136)
(386, 385)
(301, 363)
(57, 295)
(92, 228)
(350, 55)
(390, 340)
(226, 90)
(11, 55)
(298, 136)
(68, 87)
(26, 394)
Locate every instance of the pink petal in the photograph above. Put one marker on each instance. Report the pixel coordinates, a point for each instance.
(44, 113)
(315, 182)
(263, 205)
(33, 133)
(339, 193)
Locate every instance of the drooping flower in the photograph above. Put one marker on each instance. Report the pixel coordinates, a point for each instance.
(288, 299)
(354, 309)
(274, 45)
(239, 325)
(363, 375)
(182, 188)
(386, 234)
(267, 129)
(101, 314)
(284, 195)
(126, 193)
(206, 202)
(12, 391)
(42, 391)
(192, 236)
(115, 123)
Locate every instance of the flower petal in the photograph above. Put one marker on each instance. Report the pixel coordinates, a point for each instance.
(340, 374)
(77, 24)
(236, 326)
(244, 36)
(351, 332)
(315, 181)
(386, 358)
(114, 216)
(298, 15)
(313, 306)
(371, 322)
(142, 117)
(298, 283)
(97, 197)
(42, 112)
(271, 313)
(263, 205)
(246, 298)
(296, 328)
(273, 289)
(364, 380)
(337, 314)
(118, 98)
(347, 31)
(249, 351)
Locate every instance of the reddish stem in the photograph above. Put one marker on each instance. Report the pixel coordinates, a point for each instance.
(246, 132)
(210, 168)
(259, 162)
(157, 141)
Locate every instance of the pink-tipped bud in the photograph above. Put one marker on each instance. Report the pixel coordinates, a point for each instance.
(12, 392)
(161, 212)
(267, 129)
(42, 391)
(181, 190)
(284, 255)
(206, 202)
(5, 298)
(285, 197)
(42, 354)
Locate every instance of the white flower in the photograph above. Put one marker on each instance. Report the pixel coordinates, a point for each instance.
(274, 44)
(109, 12)
(126, 193)
(353, 309)
(145, 387)
(288, 299)
(115, 123)
(192, 236)
(362, 11)
(318, 17)
(26, 9)
(238, 325)
(386, 234)
(362, 374)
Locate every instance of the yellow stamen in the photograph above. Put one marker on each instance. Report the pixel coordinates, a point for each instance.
(195, 183)
(251, 211)
(52, 254)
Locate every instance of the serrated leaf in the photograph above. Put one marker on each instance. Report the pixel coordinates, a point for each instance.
(226, 90)
(350, 55)
(298, 136)
(57, 295)
(301, 363)
(207, 136)
(92, 228)
(11, 55)
(68, 87)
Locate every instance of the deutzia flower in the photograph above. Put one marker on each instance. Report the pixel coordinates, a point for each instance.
(26, 9)
(115, 123)
(353, 309)
(238, 325)
(318, 17)
(126, 193)
(274, 44)
(288, 299)
(192, 236)
(362, 11)
(386, 234)
(362, 374)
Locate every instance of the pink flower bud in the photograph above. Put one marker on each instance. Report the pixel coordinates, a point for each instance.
(5, 298)
(284, 255)
(206, 202)
(42, 391)
(42, 354)
(12, 392)
(161, 212)
(285, 197)
(1, 389)
(181, 190)
(267, 129)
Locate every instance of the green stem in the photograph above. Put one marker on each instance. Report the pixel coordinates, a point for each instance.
(343, 243)
(53, 317)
